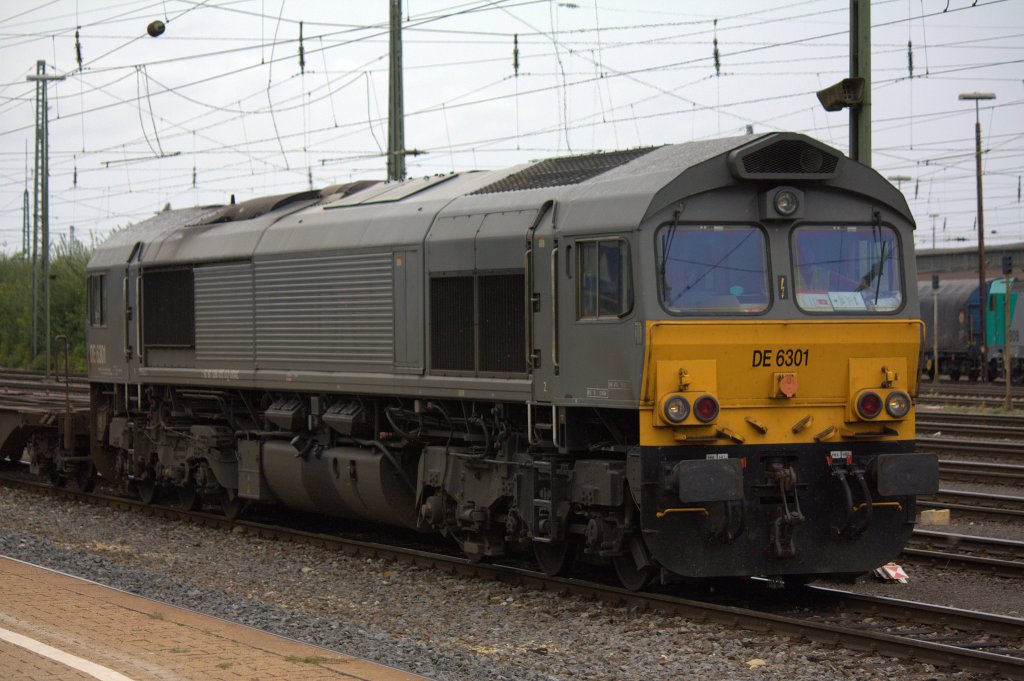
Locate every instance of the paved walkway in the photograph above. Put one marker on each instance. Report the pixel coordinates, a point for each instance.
(57, 627)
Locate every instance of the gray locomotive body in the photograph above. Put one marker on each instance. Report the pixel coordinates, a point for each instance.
(492, 355)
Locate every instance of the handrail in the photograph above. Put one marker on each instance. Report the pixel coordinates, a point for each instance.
(127, 315)
(528, 307)
(554, 308)
(138, 313)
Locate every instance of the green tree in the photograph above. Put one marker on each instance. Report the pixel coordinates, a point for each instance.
(68, 262)
(15, 311)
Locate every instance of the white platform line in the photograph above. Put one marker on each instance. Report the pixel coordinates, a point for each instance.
(91, 668)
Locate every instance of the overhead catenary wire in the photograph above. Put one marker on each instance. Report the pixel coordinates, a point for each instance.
(319, 136)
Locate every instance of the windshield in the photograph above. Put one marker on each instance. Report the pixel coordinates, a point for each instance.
(713, 269)
(847, 269)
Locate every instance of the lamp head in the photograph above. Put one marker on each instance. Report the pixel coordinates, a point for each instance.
(975, 96)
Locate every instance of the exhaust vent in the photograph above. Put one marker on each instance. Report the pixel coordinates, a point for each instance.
(787, 158)
(556, 172)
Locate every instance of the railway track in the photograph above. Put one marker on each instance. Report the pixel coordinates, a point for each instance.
(968, 401)
(969, 388)
(1003, 557)
(1003, 450)
(934, 634)
(970, 424)
(1004, 506)
(982, 472)
(971, 395)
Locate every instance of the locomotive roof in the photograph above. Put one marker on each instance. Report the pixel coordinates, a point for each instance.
(606, 191)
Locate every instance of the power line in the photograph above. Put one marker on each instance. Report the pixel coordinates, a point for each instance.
(176, 121)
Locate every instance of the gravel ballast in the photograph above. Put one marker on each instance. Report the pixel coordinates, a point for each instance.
(441, 626)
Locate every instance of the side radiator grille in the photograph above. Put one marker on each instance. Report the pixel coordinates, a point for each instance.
(451, 323)
(477, 323)
(224, 313)
(502, 328)
(168, 310)
(325, 310)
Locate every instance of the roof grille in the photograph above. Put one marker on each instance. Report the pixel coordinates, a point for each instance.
(789, 157)
(253, 208)
(555, 172)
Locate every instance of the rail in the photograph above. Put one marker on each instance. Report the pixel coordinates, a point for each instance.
(975, 503)
(1002, 557)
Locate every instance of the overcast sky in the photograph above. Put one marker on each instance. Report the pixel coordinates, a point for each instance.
(219, 104)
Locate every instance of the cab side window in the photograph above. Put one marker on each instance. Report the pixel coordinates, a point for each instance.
(97, 302)
(605, 286)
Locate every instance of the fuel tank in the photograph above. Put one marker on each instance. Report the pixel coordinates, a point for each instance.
(347, 482)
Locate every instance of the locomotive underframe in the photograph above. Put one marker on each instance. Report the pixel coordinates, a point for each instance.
(468, 470)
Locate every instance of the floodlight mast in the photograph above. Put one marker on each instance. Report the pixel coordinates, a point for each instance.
(42, 199)
(396, 106)
(982, 297)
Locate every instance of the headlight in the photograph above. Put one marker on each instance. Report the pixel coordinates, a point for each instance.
(786, 202)
(705, 408)
(897, 404)
(676, 409)
(869, 405)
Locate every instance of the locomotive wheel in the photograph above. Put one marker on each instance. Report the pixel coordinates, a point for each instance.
(56, 479)
(146, 489)
(556, 559)
(188, 496)
(232, 504)
(631, 577)
(84, 479)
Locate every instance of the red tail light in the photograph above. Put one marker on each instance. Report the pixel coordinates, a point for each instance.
(869, 405)
(705, 408)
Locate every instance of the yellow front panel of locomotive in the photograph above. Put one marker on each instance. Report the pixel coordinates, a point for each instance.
(777, 381)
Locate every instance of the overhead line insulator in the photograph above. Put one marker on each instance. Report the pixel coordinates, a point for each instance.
(515, 54)
(718, 62)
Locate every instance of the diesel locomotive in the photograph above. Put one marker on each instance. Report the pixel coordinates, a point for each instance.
(695, 360)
